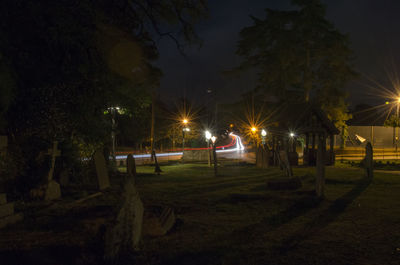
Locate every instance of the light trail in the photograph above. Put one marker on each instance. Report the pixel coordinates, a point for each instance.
(236, 140)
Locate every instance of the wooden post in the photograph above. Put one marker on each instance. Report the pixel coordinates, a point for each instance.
(320, 174)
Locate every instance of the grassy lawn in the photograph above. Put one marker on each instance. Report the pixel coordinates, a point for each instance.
(235, 219)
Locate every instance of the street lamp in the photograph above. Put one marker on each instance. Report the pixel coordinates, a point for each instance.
(113, 110)
(208, 137)
(397, 121)
(263, 134)
(213, 139)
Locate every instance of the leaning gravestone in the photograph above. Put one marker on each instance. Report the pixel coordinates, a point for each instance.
(52, 191)
(130, 166)
(125, 232)
(7, 215)
(369, 160)
(101, 170)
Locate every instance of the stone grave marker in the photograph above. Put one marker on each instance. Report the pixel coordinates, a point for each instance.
(130, 166)
(284, 163)
(7, 215)
(101, 170)
(369, 161)
(167, 219)
(125, 232)
(52, 191)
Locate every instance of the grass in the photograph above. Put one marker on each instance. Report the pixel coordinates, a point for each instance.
(235, 219)
(231, 219)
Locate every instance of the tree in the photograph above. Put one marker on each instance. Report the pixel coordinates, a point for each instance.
(66, 62)
(297, 51)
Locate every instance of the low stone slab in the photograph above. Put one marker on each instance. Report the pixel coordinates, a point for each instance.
(284, 184)
(159, 224)
(53, 191)
(3, 198)
(167, 219)
(12, 219)
(6, 209)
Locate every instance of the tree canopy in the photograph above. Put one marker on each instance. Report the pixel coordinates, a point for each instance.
(296, 50)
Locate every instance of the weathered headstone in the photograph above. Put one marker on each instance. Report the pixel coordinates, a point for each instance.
(157, 168)
(101, 170)
(130, 166)
(259, 154)
(125, 232)
(7, 215)
(320, 176)
(369, 160)
(284, 163)
(52, 191)
(167, 219)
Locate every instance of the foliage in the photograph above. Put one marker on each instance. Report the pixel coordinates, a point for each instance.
(296, 50)
(63, 63)
(392, 121)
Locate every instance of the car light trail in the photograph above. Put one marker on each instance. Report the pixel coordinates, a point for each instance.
(236, 141)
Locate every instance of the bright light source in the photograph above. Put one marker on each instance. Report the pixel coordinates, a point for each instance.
(208, 135)
(253, 129)
(186, 129)
(263, 132)
(185, 121)
(387, 102)
(398, 100)
(292, 134)
(213, 139)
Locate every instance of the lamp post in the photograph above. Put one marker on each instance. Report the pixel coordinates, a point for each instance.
(397, 122)
(253, 131)
(185, 129)
(263, 134)
(113, 110)
(213, 139)
(208, 137)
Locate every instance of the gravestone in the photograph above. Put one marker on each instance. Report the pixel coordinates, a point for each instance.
(101, 170)
(123, 235)
(7, 215)
(157, 168)
(52, 191)
(167, 219)
(369, 161)
(130, 166)
(284, 163)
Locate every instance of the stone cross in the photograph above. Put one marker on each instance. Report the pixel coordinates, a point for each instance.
(369, 160)
(54, 152)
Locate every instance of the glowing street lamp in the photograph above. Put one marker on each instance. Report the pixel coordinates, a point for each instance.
(185, 121)
(253, 129)
(263, 134)
(213, 139)
(292, 134)
(208, 135)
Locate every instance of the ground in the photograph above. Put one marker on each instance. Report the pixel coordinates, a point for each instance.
(229, 219)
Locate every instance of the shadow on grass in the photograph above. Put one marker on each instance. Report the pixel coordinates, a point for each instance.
(326, 217)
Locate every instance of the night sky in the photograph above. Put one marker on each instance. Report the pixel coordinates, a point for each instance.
(372, 25)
